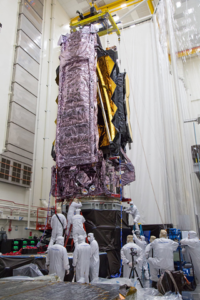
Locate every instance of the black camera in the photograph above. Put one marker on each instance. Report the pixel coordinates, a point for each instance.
(133, 252)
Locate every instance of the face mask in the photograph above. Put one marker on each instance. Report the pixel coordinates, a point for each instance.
(131, 205)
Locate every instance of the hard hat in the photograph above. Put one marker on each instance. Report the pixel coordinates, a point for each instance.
(60, 240)
(192, 235)
(129, 239)
(58, 210)
(81, 239)
(78, 210)
(152, 238)
(163, 234)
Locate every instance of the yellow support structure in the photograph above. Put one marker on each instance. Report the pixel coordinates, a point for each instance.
(112, 127)
(112, 7)
(96, 18)
(151, 7)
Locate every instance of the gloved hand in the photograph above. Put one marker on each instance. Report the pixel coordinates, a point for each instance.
(123, 262)
(67, 272)
(133, 231)
(183, 250)
(130, 264)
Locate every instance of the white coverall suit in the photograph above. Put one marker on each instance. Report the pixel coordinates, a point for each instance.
(142, 244)
(135, 214)
(77, 223)
(127, 259)
(71, 212)
(57, 259)
(148, 251)
(94, 260)
(163, 256)
(57, 228)
(81, 260)
(193, 250)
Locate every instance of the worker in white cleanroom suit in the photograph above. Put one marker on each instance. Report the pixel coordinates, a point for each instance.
(81, 260)
(94, 261)
(193, 249)
(77, 226)
(135, 214)
(57, 259)
(72, 208)
(142, 244)
(163, 258)
(126, 257)
(58, 225)
(149, 250)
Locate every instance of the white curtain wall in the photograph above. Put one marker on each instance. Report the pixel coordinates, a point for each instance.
(162, 190)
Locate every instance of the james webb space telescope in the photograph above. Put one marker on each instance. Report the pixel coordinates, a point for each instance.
(93, 120)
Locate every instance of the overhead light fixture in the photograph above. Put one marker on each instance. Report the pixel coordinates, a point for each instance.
(132, 26)
(190, 10)
(178, 4)
(123, 5)
(66, 26)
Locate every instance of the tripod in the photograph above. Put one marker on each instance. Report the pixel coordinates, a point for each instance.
(133, 269)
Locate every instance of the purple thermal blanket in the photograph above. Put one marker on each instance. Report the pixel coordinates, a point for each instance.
(77, 133)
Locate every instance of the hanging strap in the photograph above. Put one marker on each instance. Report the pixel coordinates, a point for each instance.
(61, 224)
(174, 282)
(160, 285)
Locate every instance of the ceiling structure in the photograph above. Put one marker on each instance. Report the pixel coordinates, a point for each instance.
(186, 16)
(144, 10)
(187, 24)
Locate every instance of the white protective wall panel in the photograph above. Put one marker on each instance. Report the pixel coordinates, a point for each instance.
(28, 45)
(137, 58)
(22, 117)
(191, 69)
(25, 79)
(20, 152)
(30, 30)
(27, 62)
(20, 137)
(24, 98)
(37, 6)
(30, 13)
(12, 153)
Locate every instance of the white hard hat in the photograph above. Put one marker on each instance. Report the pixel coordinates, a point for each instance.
(91, 234)
(81, 239)
(60, 240)
(192, 235)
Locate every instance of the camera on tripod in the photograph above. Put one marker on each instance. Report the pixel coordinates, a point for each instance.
(133, 252)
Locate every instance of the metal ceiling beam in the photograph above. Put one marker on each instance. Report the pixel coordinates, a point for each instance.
(112, 7)
(151, 7)
(188, 52)
(96, 18)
